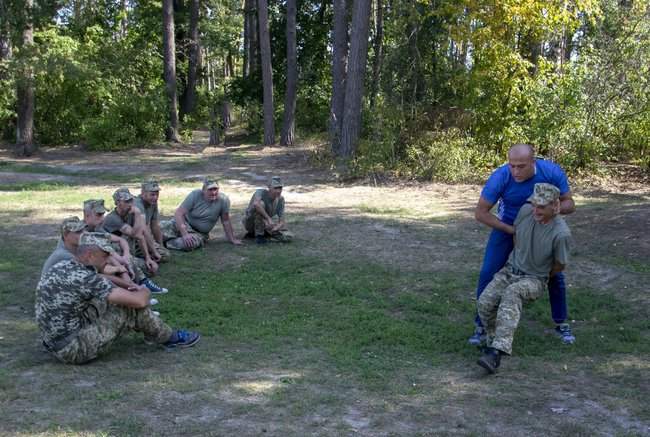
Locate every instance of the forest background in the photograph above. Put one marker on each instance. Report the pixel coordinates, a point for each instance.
(427, 89)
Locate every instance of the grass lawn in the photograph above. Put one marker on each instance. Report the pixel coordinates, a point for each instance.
(358, 327)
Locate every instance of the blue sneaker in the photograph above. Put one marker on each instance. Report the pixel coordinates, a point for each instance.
(477, 337)
(563, 330)
(153, 287)
(181, 338)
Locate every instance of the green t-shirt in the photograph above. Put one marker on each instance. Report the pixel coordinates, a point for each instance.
(538, 246)
(113, 223)
(203, 215)
(59, 254)
(150, 211)
(271, 206)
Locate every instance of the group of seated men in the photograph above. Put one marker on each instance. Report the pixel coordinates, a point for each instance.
(97, 283)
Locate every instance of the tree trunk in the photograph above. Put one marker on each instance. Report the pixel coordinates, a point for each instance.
(267, 72)
(169, 55)
(288, 126)
(378, 48)
(189, 95)
(351, 126)
(25, 90)
(226, 118)
(253, 44)
(247, 40)
(339, 64)
(123, 18)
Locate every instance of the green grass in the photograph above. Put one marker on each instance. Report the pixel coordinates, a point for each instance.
(338, 325)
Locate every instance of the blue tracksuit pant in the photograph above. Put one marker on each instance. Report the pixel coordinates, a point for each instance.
(497, 252)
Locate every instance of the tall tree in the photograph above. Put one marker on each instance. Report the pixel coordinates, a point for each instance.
(267, 72)
(288, 126)
(169, 66)
(379, 51)
(339, 64)
(188, 100)
(351, 125)
(25, 88)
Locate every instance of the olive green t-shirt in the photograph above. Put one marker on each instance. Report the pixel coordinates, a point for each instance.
(271, 206)
(538, 246)
(150, 211)
(113, 223)
(203, 215)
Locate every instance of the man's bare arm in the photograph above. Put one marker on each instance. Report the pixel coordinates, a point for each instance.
(567, 205)
(557, 268)
(138, 298)
(482, 214)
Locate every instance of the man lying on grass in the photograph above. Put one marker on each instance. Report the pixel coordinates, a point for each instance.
(80, 314)
(541, 250)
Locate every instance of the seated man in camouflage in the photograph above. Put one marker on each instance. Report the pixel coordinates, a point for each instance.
(264, 205)
(126, 221)
(147, 204)
(541, 249)
(80, 314)
(94, 210)
(196, 216)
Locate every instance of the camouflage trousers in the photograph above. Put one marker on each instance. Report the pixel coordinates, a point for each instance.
(173, 239)
(500, 305)
(255, 225)
(165, 254)
(137, 265)
(100, 333)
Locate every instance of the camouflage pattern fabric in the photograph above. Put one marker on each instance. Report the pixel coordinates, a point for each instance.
(75, 319)
(174, 241)
(94, 339)
(254, 225)
(500, 305)
(165, 254)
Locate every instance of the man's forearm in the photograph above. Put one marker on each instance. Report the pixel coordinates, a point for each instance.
(156, 232)
(489, 219)
(227, 229)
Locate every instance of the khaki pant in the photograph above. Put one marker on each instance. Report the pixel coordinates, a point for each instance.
(173, 240)
(500, 305)
(100, 334)
(255, 225)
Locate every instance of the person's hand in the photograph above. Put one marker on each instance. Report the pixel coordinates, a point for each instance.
(152, 266)
(114, 270)
(188, 241)
(236, 242)
(155, 255)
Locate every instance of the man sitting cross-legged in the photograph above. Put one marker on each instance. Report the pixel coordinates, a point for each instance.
(196, 216)
(541, 249)
(80, 314)
(264, 205)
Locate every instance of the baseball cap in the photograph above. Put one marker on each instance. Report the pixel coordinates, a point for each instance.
(544, 193)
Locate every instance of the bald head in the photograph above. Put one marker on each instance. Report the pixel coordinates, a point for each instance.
(521, 151)
(521, 160)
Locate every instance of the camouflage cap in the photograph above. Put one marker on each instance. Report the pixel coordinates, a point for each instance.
(95, 205)
(99, 239)
(150, 185)
(544, 193)
(123, 194)
(72, 224)
(210, 183)
(275, 182)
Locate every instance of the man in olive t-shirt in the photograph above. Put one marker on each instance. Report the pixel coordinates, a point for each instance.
(542, 243)
(196, 216)
(147, 204)
(263, 206)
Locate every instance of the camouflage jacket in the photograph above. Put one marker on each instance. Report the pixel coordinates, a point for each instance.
(68, 297)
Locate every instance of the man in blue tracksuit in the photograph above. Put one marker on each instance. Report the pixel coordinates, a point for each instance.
(510, 185)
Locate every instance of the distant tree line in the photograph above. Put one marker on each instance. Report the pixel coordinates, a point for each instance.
(424, 88)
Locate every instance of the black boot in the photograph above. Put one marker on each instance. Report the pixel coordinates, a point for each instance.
(490, 360)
